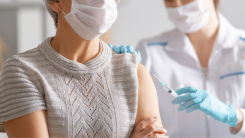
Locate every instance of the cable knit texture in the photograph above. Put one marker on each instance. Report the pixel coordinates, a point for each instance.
(93, 100)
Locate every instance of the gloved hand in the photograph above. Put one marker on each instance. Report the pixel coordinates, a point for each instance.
(123, 49)
(196, 99)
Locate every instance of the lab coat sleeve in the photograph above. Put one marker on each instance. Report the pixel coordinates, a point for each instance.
(145, 54)
(240, 133)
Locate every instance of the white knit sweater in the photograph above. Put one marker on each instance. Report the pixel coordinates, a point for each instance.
(93, 100)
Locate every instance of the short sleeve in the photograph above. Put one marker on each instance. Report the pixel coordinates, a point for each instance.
(18, 94)
(145, 54)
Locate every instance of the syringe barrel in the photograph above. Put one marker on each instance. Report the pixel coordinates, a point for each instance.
(171, 92)
(174, 94)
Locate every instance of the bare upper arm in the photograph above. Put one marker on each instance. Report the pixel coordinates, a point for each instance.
(147, 97)
(32, 125)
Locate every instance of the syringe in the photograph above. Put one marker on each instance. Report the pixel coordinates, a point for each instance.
(168, 89)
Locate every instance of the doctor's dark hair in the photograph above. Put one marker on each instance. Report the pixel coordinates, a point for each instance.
(216, 4)
(52, 12)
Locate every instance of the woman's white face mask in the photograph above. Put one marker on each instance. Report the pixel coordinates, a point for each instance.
(92, 18)
(191, 17)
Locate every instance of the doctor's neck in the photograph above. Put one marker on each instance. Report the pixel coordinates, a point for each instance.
(206, 36)
(71, 46)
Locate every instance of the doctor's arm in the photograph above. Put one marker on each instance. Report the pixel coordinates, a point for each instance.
(196, 99)
(148, 108)
(239, 129)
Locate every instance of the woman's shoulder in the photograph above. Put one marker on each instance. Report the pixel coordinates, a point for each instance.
(22, 67)
(26, 56)
(30, 58)
(17, 60)
(126, 60)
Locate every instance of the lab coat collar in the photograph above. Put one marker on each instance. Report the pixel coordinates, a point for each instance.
(180, 42)
(228, 35)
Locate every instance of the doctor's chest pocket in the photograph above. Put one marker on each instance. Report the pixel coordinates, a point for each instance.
(231, 84)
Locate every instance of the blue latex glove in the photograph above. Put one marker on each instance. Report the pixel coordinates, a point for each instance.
(139, 56)
(110, 45)
(130, 49)
(116, 49)
(195, 99)
(123, 49)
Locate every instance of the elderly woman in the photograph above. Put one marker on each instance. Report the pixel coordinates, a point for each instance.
(74, 86)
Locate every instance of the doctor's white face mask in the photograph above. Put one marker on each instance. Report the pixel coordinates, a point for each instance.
(189, 18)
(92, 18)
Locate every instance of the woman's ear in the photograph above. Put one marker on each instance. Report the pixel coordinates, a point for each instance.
(55, 6)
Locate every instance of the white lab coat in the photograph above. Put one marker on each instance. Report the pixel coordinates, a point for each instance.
(172, 58)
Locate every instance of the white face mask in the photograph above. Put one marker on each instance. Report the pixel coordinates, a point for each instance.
(92, 18)
(189, 18)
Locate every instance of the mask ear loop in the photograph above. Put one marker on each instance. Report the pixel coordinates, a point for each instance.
(61, 11)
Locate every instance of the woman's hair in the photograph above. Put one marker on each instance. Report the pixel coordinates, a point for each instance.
(216, 4)
(52, 12)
